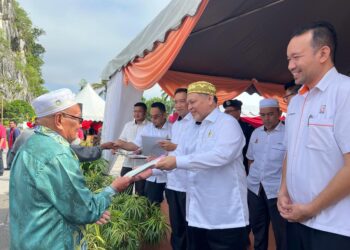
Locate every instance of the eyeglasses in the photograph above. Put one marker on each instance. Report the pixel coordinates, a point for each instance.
(154, 117)
(79, 119)
(285, 98)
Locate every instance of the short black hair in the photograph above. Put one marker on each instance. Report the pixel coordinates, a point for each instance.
(323, 34)
(142, 105)
(13, 121)
(159, 105)
(215, 99)
(291, 86)
(180, 90)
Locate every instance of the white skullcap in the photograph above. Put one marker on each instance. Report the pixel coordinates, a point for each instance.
(53, 102)
(269, 103)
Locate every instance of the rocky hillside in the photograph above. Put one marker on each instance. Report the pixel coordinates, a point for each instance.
(20, 73)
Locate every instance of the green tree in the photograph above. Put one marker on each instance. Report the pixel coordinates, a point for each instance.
(33, 51)
(169, 104)
(18, 110)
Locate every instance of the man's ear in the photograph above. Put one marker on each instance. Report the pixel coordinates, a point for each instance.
(58, 121)
(325, 53)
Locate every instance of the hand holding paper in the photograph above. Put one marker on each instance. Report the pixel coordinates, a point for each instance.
(167, 145)
(142, 168)
(166, 163)
(121, 183)
(144, 175)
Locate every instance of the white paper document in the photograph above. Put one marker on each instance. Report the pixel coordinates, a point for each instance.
(143, 167)
(151, 147)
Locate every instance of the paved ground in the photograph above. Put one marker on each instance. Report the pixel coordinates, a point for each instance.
(4, 204)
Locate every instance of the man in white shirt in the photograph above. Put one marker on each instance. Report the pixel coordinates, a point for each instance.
(128, 134)
(265, 157)
(315, 187)
(216, 193)
(159, 127)
(177, 179)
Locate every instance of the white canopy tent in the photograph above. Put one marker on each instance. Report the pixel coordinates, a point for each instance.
(93, 105)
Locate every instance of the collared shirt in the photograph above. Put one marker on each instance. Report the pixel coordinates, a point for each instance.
(177, 178)
(317, 133)
(151, 130)
(128, 134)
(267, 150)
(49, 201)
(216, 180)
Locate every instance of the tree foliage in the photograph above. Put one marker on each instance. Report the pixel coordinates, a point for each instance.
(169, 103)
(18, 110)
(33, 51)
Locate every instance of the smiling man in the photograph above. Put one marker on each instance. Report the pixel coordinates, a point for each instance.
(216, 193)
(315, 189)
(49, 202)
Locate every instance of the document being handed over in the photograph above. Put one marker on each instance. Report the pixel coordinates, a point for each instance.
(151, 147)
(143, 167)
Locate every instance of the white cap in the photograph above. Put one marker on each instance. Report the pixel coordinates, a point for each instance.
(269, 103)
(53, 102)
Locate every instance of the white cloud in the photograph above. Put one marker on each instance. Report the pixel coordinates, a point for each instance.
(82, 36)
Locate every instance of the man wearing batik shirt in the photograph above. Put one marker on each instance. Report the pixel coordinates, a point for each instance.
(49, 202)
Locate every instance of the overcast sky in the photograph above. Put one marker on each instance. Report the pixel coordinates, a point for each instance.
(82, 36)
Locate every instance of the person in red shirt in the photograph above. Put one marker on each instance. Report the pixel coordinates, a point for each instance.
(2, 147)
(13, 134)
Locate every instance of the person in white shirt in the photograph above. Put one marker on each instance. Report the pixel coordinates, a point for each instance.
(265, 157)
(177, 179)
(160, 127)
(216, 193)
(128, 134)
(315, 187)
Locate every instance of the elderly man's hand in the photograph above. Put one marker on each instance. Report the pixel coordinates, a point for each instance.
(167, 163)
(106, 216)
(122, 183)
(144, 175)
(107, 145)
(167, 145)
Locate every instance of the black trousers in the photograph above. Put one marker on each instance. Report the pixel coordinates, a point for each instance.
(139, 185)
(177, 213)
(154, 191)
(261, 211)
(217, 239)
(301, 237)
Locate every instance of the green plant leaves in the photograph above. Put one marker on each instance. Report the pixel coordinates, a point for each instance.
(133, 218)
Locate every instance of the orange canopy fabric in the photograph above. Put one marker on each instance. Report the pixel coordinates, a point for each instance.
(144, 72)
(226, 88)
(271, 90)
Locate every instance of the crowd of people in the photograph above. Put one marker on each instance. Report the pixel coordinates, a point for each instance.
(222, 178)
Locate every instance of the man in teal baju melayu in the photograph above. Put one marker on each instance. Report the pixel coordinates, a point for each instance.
(49, 202)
